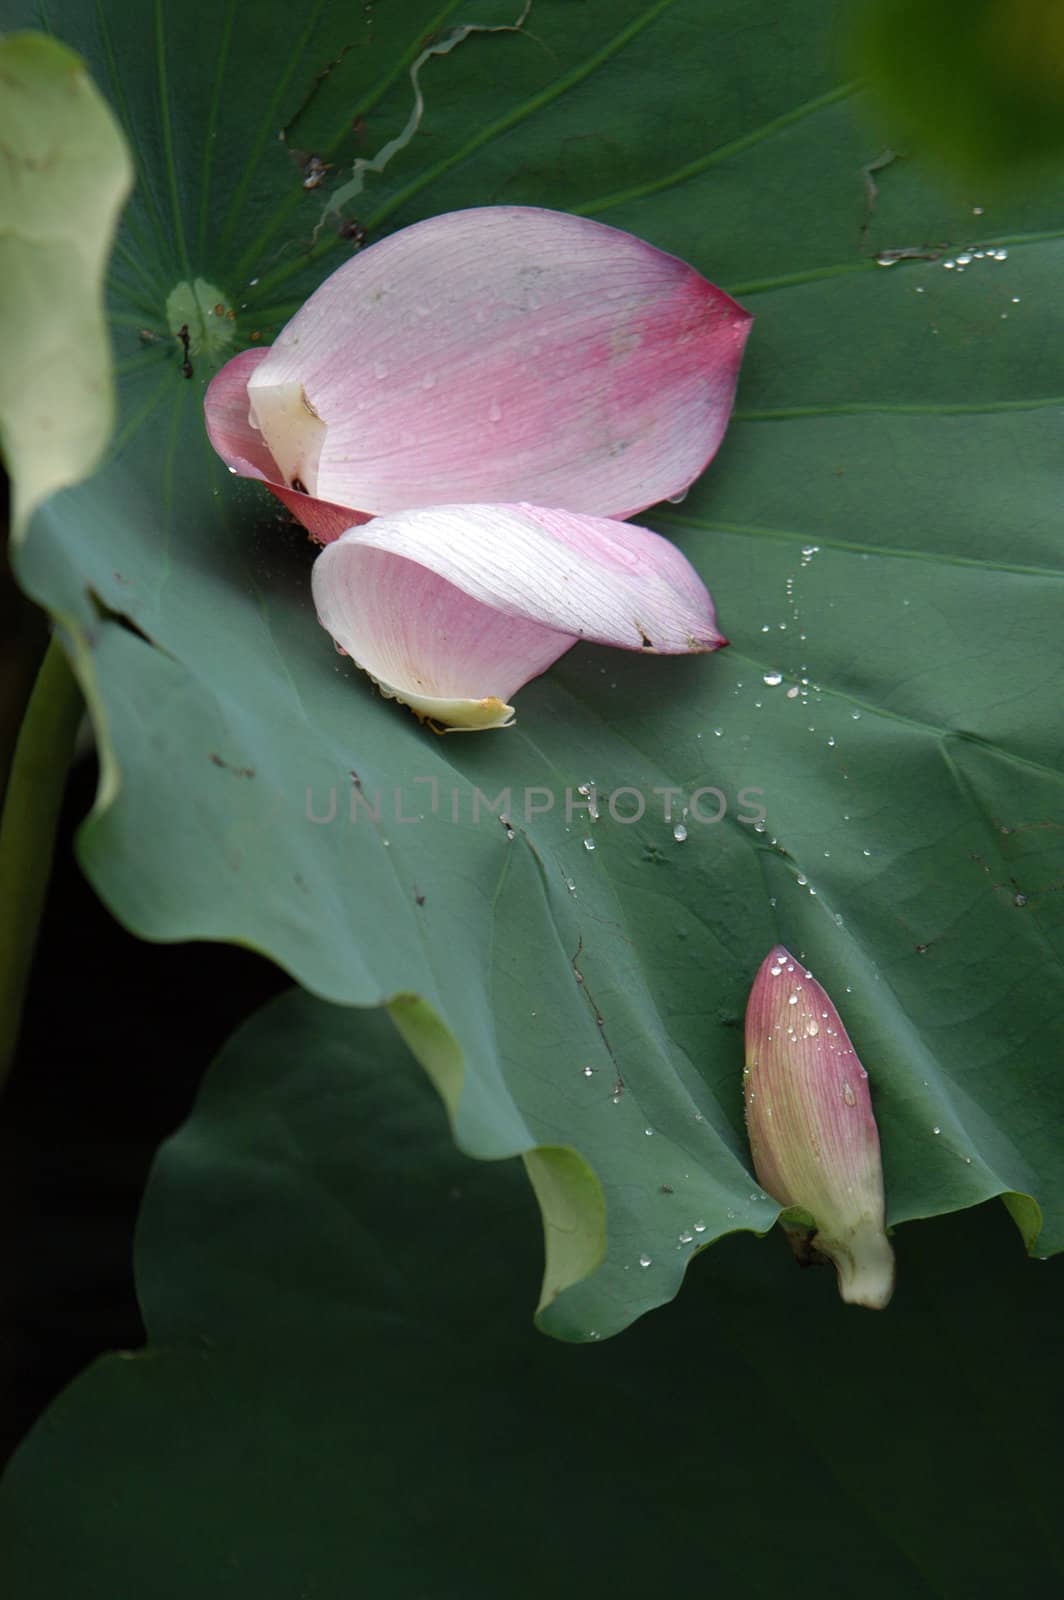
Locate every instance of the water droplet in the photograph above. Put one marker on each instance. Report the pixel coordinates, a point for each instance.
(949, 265)
(792, 1000)
(812, 1028)
(679, 833)
(686, 1237)
(1001, 255)
(677, 499)
(866, 852)
(831, 740)
(718, 733)
(772, 678)
(649, 1132)
(802, 880)
(855, 716)
(588, 1071)
(848, 1095)
(766, 628)
(792, 693)
(1015, 299)
(644, 1261)
(977, 211)
(700, 1226)
(964, 260)
(1019, 899)
(589, 844)
(936, 1130)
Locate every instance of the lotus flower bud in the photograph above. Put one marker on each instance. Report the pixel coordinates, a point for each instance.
(812, 1132)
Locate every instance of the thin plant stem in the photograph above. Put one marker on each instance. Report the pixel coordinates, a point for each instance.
(32, 802)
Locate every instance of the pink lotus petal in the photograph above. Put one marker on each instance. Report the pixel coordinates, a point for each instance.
(425, 642)
(452, 608)
(498, 354)
(242, 449)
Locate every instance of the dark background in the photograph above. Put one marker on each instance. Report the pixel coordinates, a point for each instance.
(116, 1036)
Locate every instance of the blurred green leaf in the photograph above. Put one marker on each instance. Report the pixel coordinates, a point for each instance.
(880, 531)
(342, 1394)
(979, 87)
(64, 178)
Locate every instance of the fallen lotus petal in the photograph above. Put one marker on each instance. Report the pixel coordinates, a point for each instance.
(812, 1131)
(501, 354)
(450, 609)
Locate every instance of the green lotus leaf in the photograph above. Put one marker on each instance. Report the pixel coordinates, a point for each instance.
(64, 177)
(880, 532)
(342, 1394)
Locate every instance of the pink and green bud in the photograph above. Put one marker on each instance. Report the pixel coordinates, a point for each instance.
(812, 1132)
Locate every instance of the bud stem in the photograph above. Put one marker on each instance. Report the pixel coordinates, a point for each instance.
(864, 1262)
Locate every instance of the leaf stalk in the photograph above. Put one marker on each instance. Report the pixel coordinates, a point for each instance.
(32, 802)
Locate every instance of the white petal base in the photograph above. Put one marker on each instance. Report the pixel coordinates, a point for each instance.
(292, 430)
(450, 716)
(864, 1262)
